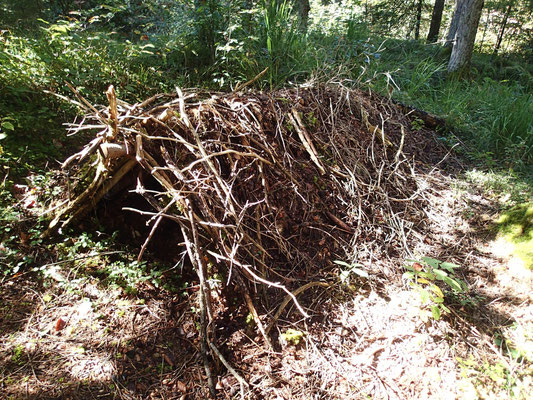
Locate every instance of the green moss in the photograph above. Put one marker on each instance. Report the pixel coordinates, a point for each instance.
(516, 227)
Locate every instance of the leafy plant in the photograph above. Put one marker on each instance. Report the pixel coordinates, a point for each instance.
(292, 336)
(422, 276)
(349, 270)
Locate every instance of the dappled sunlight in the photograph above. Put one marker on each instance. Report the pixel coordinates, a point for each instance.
(339, 205)
(380, 347)
(79, 337)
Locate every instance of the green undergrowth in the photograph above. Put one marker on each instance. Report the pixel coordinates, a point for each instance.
(492, 110)
(515, 226)
(512, 197)
(506, 187)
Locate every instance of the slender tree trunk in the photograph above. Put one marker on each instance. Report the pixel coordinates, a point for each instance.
(418, 19)
(504, 24)
(487, 20)
(303, 11)
(436, 19)
(450, 36)
(465, 36)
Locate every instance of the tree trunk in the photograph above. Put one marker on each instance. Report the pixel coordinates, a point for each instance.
(504, 24)
(485, 28)
(436, 19)
(465, 36)
(303, 11)
(418, 19)
(455, 22)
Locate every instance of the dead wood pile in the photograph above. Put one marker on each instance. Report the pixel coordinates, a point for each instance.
(269, 186)
(265, 187)
(276, 184)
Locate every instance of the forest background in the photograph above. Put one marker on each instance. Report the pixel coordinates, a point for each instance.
(144, 47)
(147, 47)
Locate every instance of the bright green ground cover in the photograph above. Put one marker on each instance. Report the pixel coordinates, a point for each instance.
(515, 226)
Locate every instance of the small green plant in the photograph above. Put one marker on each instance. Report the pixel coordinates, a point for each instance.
(423, 276)
(417, 124)
(250, 322)
(349, 270)
(488, 379)
(18, 352)
(292, 336)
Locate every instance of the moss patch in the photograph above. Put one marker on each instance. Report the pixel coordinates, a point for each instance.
(515, 226)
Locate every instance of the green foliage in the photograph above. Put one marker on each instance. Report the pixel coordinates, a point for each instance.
(93, 257)
(12, 260)
(493, 113)
(350, 269)
(292, 336)
(18, 355)
(422, 276)
(484, 379)
(515, 226)
(508, 187)
(270, 40)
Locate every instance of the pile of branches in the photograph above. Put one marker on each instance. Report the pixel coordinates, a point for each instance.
(265, 187)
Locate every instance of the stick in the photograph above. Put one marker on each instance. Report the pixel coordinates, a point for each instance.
(203, 323)
(152, 231)
(259, 75)
(112, 98)
(288, 298)
(305, 139)
(242, 382)
(257, 320)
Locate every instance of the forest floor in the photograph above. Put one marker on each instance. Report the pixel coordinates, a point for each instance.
(69, 336)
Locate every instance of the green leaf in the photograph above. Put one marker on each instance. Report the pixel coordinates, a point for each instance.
(424, 296)
(344, 275)
(345, 264)
(440, 274)
(435, 312)
(8, 126)
(453, 284)
(408, 275)
(437, 291)
(360, 272)
(427, 275)
(434, 263)
(449, 266)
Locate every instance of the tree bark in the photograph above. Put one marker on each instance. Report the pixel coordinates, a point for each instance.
(465, 36)
(454, 23)
(418, 19)
(303, 11)
(436, 19)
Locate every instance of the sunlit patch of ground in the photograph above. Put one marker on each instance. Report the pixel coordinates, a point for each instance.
(515, 236)
(375, 345)
(382, 349)
(80, 340)
(84, 341)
